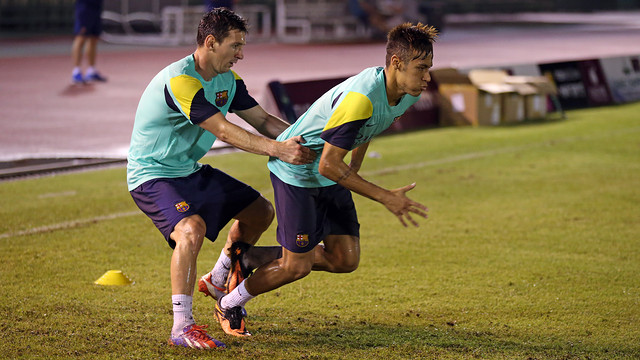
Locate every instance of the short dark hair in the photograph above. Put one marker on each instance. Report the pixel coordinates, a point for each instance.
(219, 22)
(409, 42)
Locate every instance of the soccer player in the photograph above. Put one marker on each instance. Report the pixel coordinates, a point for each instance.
(313, 201)
(180, 114)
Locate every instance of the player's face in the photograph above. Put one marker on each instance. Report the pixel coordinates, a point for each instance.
(229, 51)
(414, 76)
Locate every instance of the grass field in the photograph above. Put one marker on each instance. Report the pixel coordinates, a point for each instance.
(531, 251)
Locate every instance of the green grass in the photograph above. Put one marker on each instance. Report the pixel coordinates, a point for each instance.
(531, 251)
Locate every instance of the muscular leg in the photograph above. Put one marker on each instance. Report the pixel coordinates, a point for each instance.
(257, 256)
(250, 223)
(340, 254)
(290, 267)
(188, 235)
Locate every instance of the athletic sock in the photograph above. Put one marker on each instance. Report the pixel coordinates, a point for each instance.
(76, 70)
(91, 70)
(238, 297)
(221, 270)
(182, 313)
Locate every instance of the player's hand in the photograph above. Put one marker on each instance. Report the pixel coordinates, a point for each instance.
(402, 207)
(293, 152)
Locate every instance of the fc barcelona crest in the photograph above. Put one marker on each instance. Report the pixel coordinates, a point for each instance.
(182, 206)
(302, 240)
(221, 98)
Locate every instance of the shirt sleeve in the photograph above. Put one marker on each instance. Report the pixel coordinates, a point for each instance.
(241, 100)
(189, 99)
(346, 120)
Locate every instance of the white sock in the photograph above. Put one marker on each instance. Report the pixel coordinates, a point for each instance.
(182, 313)
(221, 270)
(77, 70)
(91, 70)
(238, 297)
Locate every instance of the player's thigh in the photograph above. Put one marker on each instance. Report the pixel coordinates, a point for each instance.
(300, 225)
(163, 202)
(341, 211)
(190, 230)
(259, 213)
(343, 248)
(298, 265)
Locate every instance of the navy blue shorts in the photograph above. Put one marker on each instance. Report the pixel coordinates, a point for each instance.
(88, 16)
(307, 215)
(210, 193)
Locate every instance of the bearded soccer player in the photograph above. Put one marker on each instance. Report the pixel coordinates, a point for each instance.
(180, 115)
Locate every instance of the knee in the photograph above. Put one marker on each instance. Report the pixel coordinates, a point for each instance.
(267, 214)
(348, 264)
(189, 233)
(297, 271)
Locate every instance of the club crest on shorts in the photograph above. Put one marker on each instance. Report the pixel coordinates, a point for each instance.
(222, 97)
(182, 206)
(302, 240)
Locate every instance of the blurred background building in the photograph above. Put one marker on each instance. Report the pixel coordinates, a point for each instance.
(146, 16)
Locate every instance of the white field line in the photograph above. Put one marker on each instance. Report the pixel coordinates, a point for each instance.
(447, 160)
(69, 224)
(500, 151)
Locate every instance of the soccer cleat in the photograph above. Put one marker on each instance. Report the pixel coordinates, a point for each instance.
(231, 320)
(206, 287)
(238, 271)
(95, 76)
(194, 336)
(77, 78)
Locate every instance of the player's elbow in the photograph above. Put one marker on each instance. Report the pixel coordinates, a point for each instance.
(222, 133)
(326, 169)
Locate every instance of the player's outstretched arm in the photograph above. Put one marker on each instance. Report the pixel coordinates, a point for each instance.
(267, 124)
(290, 151)
(332, 166)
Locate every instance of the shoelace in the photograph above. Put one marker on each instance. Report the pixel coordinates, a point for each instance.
(198, 332)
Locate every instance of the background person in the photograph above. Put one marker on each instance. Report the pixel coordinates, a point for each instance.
(87, 29)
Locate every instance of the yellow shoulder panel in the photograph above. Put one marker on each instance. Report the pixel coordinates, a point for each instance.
(355, 106)
(184, 88)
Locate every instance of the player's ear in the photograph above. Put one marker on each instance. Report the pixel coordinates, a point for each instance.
(395, 62)
(209, 42)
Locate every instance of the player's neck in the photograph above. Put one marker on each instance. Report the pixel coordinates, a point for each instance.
(394, 94)
(202, 65)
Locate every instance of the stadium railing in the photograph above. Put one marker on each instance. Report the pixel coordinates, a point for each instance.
(170, 22)
(304, 21)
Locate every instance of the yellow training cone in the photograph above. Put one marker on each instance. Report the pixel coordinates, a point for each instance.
(113, 277)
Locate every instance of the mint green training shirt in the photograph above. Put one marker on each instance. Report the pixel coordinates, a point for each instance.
(347, 116)
(166, 141)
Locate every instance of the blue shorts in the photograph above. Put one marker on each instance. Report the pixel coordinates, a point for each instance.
(88, 18)
(210, 193)
(307, 215)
